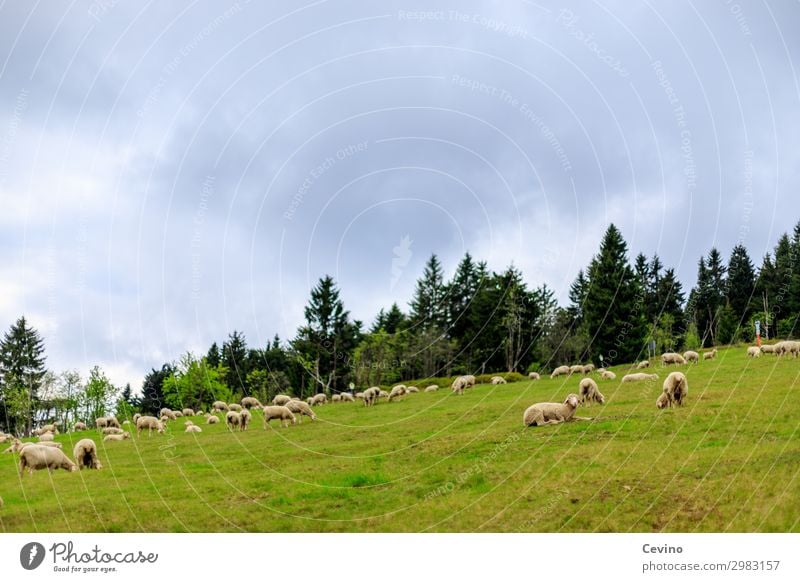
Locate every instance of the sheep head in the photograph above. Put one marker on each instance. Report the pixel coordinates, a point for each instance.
(572, 400)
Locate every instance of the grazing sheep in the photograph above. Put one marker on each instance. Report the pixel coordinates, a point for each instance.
(111, 430)
(462, 383)
(672, 358)
(359, 396)
(246, 418)
(643, 364)
(608, 375)
(165, 412)
(281, 413)
(193, 428)
(79, 426)
(411, 389)
(534, 376)
(753, 352)
(676, 387)
(590, 392)
(47, 436)
(116, 437)
(250, 402)
(212, 419)
(233, 420)
(788, 347)
(371, 395)
(85, 453)
(432, 388)
(498, 380)
(150, 423)
(397, 392)
(219, 406)
(662, 401)
(552, 412)
(691, 356)
(44, 444)
(136, 417)
(187, 412)
(300, 409)
(588, 368)
(46, 428)
(347, 397)
(281, 400)
(768, 349)
(36, 457)
(336, 398)
(710, 355)
(100, 422)
(235, 407)
(320, 399)
(560, 371)
(639, 377)
(577, 369)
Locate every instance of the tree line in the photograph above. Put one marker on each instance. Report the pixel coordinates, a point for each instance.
(478, 321)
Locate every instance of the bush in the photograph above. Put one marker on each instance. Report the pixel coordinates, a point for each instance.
(788, 328)
(692, 339)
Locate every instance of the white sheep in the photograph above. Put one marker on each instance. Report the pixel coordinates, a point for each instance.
(233, 420)
(662, 401)
(235, 407)
(551, 412)
(534, 376)
(47, 436)
(639, 377)
(193, 428)
(432, 388)
(336, 398)
(111, 430)
(100, 422)
(371, 395)
(691, 356)
(753, 352)
(676, 387)
(246, 418)
(300, 409)
(560, 371)
(588, 368)
(150, 423)
(187, 412)
(85, 453)
(643, 364)
(219, 406)
(672, 358)
(281, 413)
(250, 402)
(136, 417)
(212, 419)
(590, 392)
(576, 369)
(412, 389)
(498, 380)
(116, 437)
(462, 383)
(347, 397)
(281, 400)
(768, 349)
(37, 457)
(397, 392)
(319, 399)
(608, 375)
(710, 355)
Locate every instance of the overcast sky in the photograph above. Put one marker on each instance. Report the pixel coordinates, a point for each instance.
(172, 171)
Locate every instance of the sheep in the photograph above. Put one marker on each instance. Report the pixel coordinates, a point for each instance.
(281, 400)
(111, 430)
(662, 401)
(319, 399)
(116, 437)
(498, 380)
(219, 406)
(534, 376)
(336, 398)
(753, 352)
(149, 423)
(85, 453)
(590, 392)
(710, 355)
(672, 358)
(397, 392)
(193, 428)
(371, 395)
(187, 412)
(300, 408)
(432, 388)
(36, 457)
(411, 389)
(278, 412)
(44, 444)
(233, 420)
(463, 382)
(136, 417)
(643, 364)
(691, 356)
(638, 377)
(100, 422)
(676, 387)
(347, 397)
(246, 418)
(309, 401)
(560, 371)
(588, 368)
(165, 412)
(48, 436)
(608, 375)
(790, 347)
(551, 412)
(359, 396)
(576, 369)
(47, 428)
(249, 402)
(212, 419)
(235, 407)
(768, 349)
(112, 421)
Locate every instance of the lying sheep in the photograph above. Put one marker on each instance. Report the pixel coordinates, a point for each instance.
(432, 388)
(246, 418)
(639, 377)
(281, 400)
(111, 430)
(534, 376)
(85, 453)
(219, 406)
(193, 428)
(676, 387)
(397, 392)
(250, 402)
(608, 375)
(691, 356)
(319, 399)
(498, 380)
(233, 420)
(187, 412)
(753, 352)
(300, 408)
(36, 457)
(116, 437)
(371, 395)
(560, 371)
(212, 419)
(281, 413)
(411, 389)
(150, 423)
(552, 412)
(590, 392)
(643, 364)
(347, 397)
(235, 407)
(672, 358)
(710, 355)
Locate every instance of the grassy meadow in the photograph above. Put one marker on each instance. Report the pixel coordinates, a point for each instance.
(728, 461)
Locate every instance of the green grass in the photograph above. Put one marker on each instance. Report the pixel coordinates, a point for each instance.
(726, 462)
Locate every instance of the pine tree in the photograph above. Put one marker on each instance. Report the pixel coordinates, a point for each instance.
(794, 282)
(22, 370)
(428, 309)
(461, 291)
(577, 297)
(234, 359)
(152, 400)
(741, 283)
(213, 357)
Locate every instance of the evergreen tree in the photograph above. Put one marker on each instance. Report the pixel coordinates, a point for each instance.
(395, 319)
(22, 371)
(428, 308)
(614, 308)
(214, 358)
(577, 297)
(152, 400)
(765, 283)
(741, 283)
(234, 359)
(793, 304)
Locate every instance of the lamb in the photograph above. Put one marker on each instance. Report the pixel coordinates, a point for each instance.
(281, 400)
(246, 418)
(662, 401)
(249, 402)
(336, 398)
(235, 407)
(219, 406)
(319, 399)
(111, 430)
(300, 408)
(534, 376)
(278, 412)
(432, 388)
(187, 412)
(411, 389)
(397, 392)
(639, 377)
(309, 401)
(692, 356)
(371, 395)
(212, 419)
(560, 371)
(672, 358)
(676, 388)
(551, 412)
(608, 375)
(85, 453)
(643, 364)
(710, 355)
(588, 368)
(753, 352)
(498, 380)
(193, 428)
(590, 392)
(36, 457)
(233, 420)
(116, 437)
(347, 397)
(576, 369)
(149, 423)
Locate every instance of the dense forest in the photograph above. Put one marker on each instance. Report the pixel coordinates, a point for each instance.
(479, 321)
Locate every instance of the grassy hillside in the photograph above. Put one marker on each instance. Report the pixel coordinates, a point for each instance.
(729, 461)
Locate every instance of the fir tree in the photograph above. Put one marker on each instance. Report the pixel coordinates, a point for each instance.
(741, 283)
(22, 370)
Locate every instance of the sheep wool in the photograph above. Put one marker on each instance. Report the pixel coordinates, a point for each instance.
(639, 377)
(691, 356)
(85, 453)
(560, 371)
(534, 376)
(551, 412)
(281, 413)
(36, 458)
(676, 387)
(589, 392)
